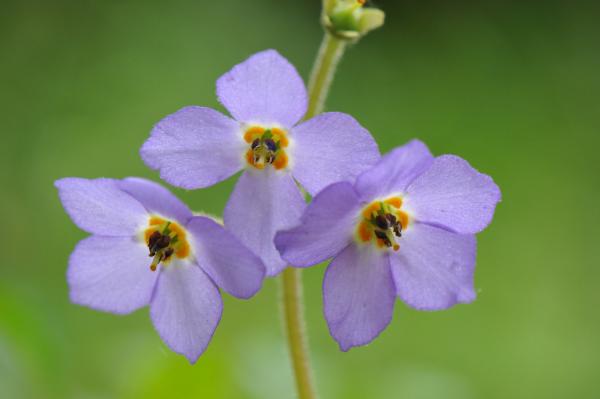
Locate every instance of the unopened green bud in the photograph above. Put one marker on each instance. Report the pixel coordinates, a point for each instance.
(349, 20)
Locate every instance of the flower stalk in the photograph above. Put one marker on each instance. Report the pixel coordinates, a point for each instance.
(293, 315)
(335, 41)
(321, 77)
(328, 57)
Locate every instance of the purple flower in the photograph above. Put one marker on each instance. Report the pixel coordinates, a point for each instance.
(190, 257)
(197, 147)
(405, 228)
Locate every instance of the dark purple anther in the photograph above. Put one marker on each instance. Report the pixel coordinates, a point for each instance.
(163, 242)
(271, 145)
(381, 222)
(153, 238)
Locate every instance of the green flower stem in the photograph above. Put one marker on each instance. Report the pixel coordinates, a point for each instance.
(323, 71)
(293, 309)
(293, 313)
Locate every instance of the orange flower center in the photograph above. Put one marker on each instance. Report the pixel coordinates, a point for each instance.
(165, 239)
(267, 147)
(382, 222)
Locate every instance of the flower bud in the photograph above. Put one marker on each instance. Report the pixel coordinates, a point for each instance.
(349, 20)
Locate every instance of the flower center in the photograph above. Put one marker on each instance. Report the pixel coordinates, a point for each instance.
(382, 222)
(165, 239)
(267, 147)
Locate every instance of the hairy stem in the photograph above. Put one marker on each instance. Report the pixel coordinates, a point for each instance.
(293, 309)
(323, 71)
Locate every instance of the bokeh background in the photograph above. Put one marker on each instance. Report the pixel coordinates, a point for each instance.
(512, 86)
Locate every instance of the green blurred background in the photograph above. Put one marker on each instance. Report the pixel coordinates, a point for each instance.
(512, 86)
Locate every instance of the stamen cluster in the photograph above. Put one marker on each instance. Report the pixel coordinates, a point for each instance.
(384, 221)
(165, 238)
(384, 224)
(266, 147)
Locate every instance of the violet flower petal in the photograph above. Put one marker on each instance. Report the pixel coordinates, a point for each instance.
(325, 229)
(98, 206)
(331, 147)
(262, 203)
(396, 170)
(453, 195)
(231, 265)
(265, 88)
(111, 274)
(156, 198)
(358, 296)
(434, 268)
(195, 147)
(186, 308)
